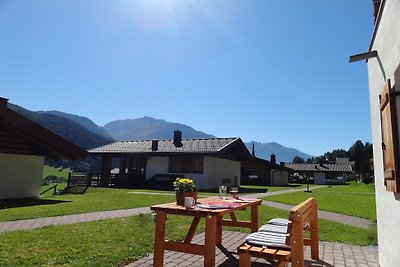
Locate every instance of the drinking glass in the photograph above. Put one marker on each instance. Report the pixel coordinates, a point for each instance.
(222, 191)
(234, 192)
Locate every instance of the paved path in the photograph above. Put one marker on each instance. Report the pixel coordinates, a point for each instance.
(69, 219)
(331, 254)
(260, 195)
(102, 215)
(336, 217)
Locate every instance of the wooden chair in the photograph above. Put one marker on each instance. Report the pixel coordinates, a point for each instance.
(302, 218)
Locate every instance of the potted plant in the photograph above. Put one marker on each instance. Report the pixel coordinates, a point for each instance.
(185, 187)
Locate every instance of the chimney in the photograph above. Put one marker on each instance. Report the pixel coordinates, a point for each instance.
(154, 145)
(3, 102)
(178, 138)
(273, 158)
(282, 163)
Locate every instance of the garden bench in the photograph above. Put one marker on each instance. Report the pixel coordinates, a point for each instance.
(283, 240)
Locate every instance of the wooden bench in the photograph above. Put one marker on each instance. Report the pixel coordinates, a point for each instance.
(302, 219)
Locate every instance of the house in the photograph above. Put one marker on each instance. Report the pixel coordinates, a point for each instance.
(384, 91)
(23, 148)
(211, 161)
(258, 171)
(321, 173)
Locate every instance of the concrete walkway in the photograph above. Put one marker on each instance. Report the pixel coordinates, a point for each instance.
(102, 215)
(69, 219)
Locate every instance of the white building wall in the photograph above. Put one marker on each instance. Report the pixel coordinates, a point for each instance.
(156, 165)
(219, 170)
(319, 178)
(279, 178)
(387, 43)
(160, 164)
(20, 176)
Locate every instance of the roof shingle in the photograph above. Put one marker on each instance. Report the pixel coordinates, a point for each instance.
(320, 167)
(208, 145)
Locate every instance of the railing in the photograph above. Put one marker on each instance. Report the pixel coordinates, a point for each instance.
(48, 189)
(78, 183)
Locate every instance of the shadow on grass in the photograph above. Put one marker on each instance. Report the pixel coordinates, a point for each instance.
(262, 189)
(252, 190)
(18, 203)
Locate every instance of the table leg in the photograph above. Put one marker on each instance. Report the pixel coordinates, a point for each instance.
(159, 239)
(254, 218)
(219, 230)
(210, 241)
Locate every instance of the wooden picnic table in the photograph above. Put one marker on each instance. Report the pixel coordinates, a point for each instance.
(213, 227)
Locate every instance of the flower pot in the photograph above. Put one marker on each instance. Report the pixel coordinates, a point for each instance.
(180, 197)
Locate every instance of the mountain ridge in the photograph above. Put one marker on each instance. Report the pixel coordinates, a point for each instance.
(85, 133)
(150, 128)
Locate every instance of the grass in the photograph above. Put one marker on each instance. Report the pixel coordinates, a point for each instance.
(95, 199)
(263, 189)
(355, 199)
(51, 171)
(116, 242)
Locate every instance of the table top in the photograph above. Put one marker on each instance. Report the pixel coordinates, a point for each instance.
(201, 209)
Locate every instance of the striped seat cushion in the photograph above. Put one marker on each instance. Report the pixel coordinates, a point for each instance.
(279, 221)
(281, 229)
(267, 239)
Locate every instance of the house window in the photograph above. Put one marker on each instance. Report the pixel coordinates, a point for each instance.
(389, 138)
(186, 164)
(250, 173)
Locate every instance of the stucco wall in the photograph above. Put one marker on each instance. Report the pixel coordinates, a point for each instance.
(156, 165)
(160, 165)
(387, 43)
(279, 178)
(219, 169)
(20, 176)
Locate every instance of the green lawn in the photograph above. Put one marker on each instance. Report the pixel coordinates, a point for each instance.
(95, 199)
(262, 189)
(119, 241)
(51, 171)
(353, 199)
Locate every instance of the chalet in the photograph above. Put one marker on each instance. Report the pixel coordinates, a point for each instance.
(258, 171)
(383, 60)
(23, 148)
(211, 161)
(322, 173)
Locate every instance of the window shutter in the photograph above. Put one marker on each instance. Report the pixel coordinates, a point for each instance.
(389, 138)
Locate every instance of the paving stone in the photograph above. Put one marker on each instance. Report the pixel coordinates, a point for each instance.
(230, 257)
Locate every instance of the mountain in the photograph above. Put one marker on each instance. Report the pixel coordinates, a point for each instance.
(85, 122)
(282, 153)
(64, 127)
(86, 134)
(149, 128)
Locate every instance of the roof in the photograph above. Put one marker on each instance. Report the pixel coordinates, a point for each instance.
(344, 161)
(378, 17)
(270, 164)
(206, 145)
(320, 167)
(19, 135)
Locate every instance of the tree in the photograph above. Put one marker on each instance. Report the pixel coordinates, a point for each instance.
(357, 148)
(298, 160)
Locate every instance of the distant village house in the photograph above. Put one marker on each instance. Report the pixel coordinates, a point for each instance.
(211, 161)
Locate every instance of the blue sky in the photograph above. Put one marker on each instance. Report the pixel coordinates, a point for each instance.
(263, 70)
